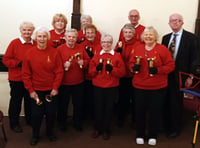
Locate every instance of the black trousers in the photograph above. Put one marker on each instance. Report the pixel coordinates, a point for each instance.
(88, 100)
(125, 101)
(17, 93)
(103, 105)
(47, 110)
(148, 103)
(65, 93)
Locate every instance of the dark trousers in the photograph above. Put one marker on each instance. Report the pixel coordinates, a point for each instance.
(65, 93)
(173, 110)
(125, 102)
(38, 111)
(88, 100)
(17, 93)
(148, 103)
(104, 103)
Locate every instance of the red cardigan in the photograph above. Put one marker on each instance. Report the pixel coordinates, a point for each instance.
(15, 54)
(103, 79)
(75, 74)
(54, 36)
(163, 61)
(127, 50)
(42, 69)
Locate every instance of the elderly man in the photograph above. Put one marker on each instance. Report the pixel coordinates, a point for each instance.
(13, 60)
(184, 47)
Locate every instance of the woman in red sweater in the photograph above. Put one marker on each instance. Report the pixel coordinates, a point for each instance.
(105, 68)
(13, 58)
(151, 62)
(74, 60)
(126, 47)
(42, 76)
(57, 35)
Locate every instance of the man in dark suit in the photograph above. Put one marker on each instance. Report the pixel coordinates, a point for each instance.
(185, 52)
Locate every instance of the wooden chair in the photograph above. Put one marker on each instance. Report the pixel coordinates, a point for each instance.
(2, 126)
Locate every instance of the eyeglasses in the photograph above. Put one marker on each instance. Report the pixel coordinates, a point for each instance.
(175, 21)
(136, 16)
(108, 42)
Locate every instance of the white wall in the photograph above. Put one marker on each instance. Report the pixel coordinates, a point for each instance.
(108, 15)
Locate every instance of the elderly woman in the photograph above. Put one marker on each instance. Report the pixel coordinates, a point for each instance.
(106, 67)
(151, 62)
(126, 47)
(13, 58)
(92, 45)
(42, 76)
(86, 20)
(57, 34)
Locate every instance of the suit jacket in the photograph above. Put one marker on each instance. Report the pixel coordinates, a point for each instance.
(187, 58)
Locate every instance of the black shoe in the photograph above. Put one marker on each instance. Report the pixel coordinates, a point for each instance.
(95, 134)
(106, 136)
(52, 138)
(34, 141)
(173, 135)
(17, 129)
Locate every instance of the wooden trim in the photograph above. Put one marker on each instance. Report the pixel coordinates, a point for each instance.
(197, 25)
(76, 15)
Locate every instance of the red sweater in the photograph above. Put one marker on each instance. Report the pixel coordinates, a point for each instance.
(163, 62)
(75, 74)
(138, 32)
(103, 79)
(14, 55)
(42, 69)
(127, 50)
(81, 35)
(96, 47)
(56, 37)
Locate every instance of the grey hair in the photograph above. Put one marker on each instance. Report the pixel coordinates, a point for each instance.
(129, 26)
(27, 24)
(105, 36)
(71, 30)
(41, 29)
(87, 17)
(152, 29)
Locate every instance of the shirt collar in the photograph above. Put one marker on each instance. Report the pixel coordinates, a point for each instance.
(110, 52)
(23, 41)
(178, 33)
(136, 25)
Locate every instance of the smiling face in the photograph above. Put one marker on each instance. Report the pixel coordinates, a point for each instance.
(90, 34)
(26, 32)
(106, 43)
(176, 22)
(41, 39)
(149, 37)
(134, 17)
(128, 34)
(59, 25)
(71, 38)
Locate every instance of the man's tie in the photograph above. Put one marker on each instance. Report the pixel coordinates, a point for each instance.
(173, 45)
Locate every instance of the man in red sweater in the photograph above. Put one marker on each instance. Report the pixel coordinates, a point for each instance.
(13, 60)
(75, 60)
(134, 17)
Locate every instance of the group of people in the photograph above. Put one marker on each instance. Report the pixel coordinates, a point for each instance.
(139, 73)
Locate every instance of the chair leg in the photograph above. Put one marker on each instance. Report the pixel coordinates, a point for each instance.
(4, 133)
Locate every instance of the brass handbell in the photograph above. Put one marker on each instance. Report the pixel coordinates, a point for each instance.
(77, 55)
(138, 60)
(151, 63)
(108, 61)
(70, 60)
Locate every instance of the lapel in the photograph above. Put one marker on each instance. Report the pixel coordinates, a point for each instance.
(181, 45)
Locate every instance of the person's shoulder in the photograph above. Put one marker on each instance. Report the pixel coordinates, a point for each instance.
(189, 34)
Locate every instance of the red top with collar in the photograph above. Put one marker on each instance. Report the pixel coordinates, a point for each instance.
(82, 37)
(95, 48)
(163, 62)
(15, 54)
(42, 69)
(104, 79)
(75, 74)
(56, 39)
(127, 50)
(138, 32)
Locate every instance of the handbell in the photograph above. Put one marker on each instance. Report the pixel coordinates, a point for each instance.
(138, 60)
(77, 55)
(108, 61)
(151, 63)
